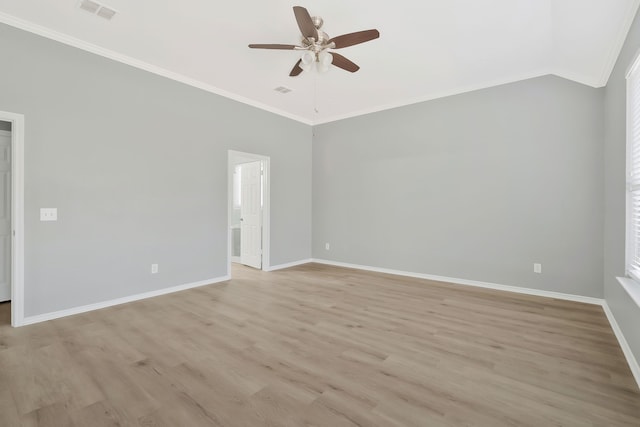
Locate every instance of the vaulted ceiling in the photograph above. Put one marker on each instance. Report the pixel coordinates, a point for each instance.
(427, 48)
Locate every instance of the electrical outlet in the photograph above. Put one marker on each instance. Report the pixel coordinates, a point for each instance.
(327, 246)
(154, 268)
(537, 268)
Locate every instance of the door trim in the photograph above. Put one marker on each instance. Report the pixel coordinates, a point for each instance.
(233, 158)
(17, 216)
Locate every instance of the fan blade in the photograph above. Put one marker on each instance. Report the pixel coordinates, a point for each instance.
(296, 70)
(273, 46)
(305, 23)
(342, 62)
(350, 39)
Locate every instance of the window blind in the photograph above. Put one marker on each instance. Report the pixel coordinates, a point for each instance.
(633, 171)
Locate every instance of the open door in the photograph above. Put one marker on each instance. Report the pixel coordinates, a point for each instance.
(251, 214)
(5, 215)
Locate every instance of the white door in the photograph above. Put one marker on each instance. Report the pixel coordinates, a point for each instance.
(5, 216)
(251, 214)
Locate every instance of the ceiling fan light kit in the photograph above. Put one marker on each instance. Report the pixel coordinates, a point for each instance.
(315, 45)
(322, 61)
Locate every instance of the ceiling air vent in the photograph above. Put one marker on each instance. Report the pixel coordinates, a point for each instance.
(89, 6)
(97, 9)
(106, 12)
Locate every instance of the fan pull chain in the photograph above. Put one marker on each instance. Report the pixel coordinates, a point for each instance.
(315, 93)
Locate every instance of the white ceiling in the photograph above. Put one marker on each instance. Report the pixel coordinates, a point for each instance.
(427, 48)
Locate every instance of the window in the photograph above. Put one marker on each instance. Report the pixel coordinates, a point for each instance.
(633, 171)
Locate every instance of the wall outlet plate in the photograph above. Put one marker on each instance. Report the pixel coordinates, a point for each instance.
(537, 268)
(48, 214)
(154, 268)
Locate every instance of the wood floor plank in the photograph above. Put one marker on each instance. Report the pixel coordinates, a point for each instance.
(316, 345)
(55, 415)
(8, 409)
(99, 414)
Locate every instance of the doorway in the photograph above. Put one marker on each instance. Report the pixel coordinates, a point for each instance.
(5, 211)
(249, 196)
(12, 213)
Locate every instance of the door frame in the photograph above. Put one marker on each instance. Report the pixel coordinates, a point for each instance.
(234, 157)
(17, 215)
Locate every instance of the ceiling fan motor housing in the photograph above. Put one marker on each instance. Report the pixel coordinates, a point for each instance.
(317, 45)
(317, 21)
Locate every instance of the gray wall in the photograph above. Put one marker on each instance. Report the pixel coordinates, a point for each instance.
(130, 189)
(477, 186)
(5, 125)
(624, 309)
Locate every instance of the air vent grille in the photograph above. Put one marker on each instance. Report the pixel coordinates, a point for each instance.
(282, 89)
(89, 6)
(97, 9)
(106, 12)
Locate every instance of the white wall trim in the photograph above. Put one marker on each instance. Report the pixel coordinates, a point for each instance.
(616, 47)
(577, 78)
(104, 304)
(107, 53)
(466, 282)
(110, 54)
(434, 96)
(632, 287)
(17, 215)
(289, 264)
(626, 349)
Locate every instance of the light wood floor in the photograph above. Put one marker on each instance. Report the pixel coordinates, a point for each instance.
(320, 346)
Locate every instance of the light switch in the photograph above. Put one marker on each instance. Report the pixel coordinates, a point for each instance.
(48, 214)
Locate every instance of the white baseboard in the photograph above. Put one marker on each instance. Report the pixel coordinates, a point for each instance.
(90, 307)
(466, 282)
(289, 264)
(626, 349)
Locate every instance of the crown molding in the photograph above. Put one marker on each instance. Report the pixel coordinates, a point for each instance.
(124, 59)
(616, 48)
(434, 96)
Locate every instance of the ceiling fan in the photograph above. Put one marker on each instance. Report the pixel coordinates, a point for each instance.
(316, 43)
